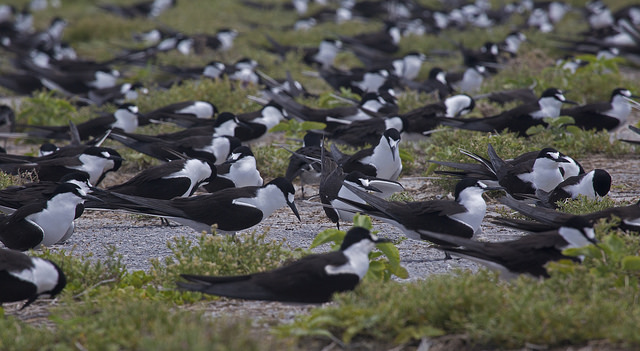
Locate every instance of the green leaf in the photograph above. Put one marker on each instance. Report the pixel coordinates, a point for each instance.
(535, 130)
(309, 125)
(281, 127)
(631, 263)
(391, 252)
(327, 236)
(363, 221)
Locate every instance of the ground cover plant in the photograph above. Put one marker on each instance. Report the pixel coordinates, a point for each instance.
(105, 306)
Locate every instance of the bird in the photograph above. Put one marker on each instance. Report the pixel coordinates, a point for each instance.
(423, 120)
(371, 104)
(417, 220)
(591, 185)
(125, 118)
(152, 8)
(28, 278)
(362, 132)
(517, 120)
(185, 114)
(231, 209)
(16, 196)
(312, 279)
(239, 170)
(260, 122)
(168, 180)
(305, 161)
(332, 188)
(43, 222)
(381, 160)
(94, 161)
(526, 255)
(545, 174)
(548, 219)
(608, 116)
(210, 148)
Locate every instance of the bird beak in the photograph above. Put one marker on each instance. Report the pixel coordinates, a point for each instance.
(564, 160)
(295, 210)
(569, 102)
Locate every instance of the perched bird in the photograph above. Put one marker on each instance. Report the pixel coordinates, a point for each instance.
(168, 180)
(517, 120)
(93, 161)
(311, 279)
(526, 255)
(362, 132)
(43, 222)
(603, 115)
(485, 171)
(152, 8)
(332, 188)
(423, 120)
(184, 114)
(548, 219)
(125, 118)
(27, 278)
(592, 184)
(545, 174)
(210, 148)
(381, 160)
(239, 170)
(16, 196)
(417, 220)
(305, 161)
(231, 209)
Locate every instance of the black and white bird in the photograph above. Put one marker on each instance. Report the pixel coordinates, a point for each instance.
(28, 278)
(168, 180)
(381, 160)
(591, 185)
(150, 9)
(332, 188)
(16, 196)
(210, 148)
(185, 114)
(423, 120)
(417, 220)
(305, 161)
(311, 279)
(43, 222)
(604, 115)
(526, 255)
(517, 120)
(125, 118)
(94, 161)
(518, 179)
(484, 170)
(231, 209)
(548, 219)
(362, 132)
(239, 170)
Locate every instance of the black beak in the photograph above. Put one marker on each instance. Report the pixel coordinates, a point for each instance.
(91, 197)
(569, 102)
(295, 210)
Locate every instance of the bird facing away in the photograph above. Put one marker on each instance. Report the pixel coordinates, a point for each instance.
(312, 279)
(27, 278)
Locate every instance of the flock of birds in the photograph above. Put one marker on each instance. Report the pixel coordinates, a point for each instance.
(212, 153)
